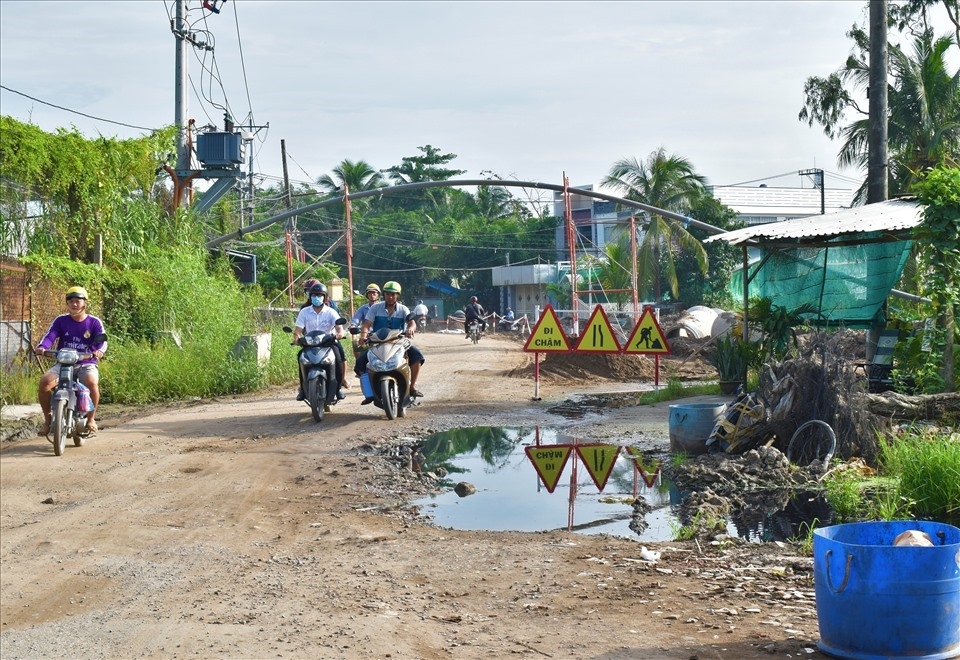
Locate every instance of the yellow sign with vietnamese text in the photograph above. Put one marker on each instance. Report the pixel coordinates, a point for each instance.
(547, 335)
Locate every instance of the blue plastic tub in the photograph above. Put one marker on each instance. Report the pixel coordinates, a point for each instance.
(691, 424)
(877, 601)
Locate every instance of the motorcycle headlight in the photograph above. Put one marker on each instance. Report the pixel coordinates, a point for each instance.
(391, 363)
(67, 356)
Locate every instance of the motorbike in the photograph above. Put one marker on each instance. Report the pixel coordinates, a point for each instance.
(318, 363)
(421, 323)
(473, 330)
(70, 401)
(388, 372)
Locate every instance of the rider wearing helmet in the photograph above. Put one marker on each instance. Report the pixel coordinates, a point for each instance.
(391, 313)
(75, 329)
(318, 316)
(309, 284)
(474, 311)
(373, 296)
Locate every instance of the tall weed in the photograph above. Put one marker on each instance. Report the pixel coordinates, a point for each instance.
(927, 466)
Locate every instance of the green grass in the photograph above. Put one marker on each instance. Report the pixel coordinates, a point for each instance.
(676, 389)
(926, 465)
(19, 387)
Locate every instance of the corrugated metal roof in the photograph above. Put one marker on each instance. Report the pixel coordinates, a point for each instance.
(891, 215)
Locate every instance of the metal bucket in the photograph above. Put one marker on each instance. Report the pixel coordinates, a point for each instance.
(691, 425)
(877, 601)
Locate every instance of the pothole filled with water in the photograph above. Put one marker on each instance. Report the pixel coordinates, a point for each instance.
(541, 479)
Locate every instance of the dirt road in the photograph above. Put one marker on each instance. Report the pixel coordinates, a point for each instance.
(240, 528)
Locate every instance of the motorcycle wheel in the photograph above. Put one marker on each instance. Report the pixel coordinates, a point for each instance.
(58, 423)
(388, 395)
(315, 399)
(475, 335)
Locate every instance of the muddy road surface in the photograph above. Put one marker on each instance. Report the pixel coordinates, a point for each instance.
(240, 528)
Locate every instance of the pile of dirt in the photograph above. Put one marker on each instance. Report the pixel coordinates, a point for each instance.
(584, 366)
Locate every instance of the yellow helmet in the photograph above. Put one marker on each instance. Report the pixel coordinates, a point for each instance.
(372, 287)
(392, 287)
(77, 292)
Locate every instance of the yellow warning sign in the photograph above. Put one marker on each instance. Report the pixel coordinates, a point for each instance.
(649, 470)
(598, 336)
(548, 461)
(599, 461)
(647, 337)
(547, 335)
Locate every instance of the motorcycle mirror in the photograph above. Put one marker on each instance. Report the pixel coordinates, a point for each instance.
(99, 338)
(341, 321)
(354, 330)
(287, 328)
(409, 317)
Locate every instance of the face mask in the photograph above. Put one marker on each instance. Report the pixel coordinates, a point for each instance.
(317, 301)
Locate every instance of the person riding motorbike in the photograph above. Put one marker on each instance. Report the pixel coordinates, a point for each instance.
(392, 314)
(506, 321)
(474, 311)
(306, 291)
(420, 312)
(321, 317)
(72, 330)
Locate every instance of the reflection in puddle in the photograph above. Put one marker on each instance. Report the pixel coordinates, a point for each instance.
(514, 480)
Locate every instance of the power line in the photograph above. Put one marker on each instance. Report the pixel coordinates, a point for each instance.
(77, 112)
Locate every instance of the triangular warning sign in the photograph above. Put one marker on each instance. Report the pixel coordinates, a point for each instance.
(599, 461)
(598, 335)
(547, 335)
(648, 471)
(549, 460)
(647, 337)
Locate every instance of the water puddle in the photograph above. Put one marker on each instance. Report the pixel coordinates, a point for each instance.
(514, 471)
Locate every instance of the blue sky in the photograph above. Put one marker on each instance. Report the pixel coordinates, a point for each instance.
(528, 90)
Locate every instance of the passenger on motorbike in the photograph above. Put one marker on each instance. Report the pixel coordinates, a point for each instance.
(392, 314)
(73, 330)
(474, 311)
(373, 296)
(321, 317)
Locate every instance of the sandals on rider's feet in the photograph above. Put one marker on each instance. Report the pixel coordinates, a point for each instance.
(92, 427)
(44, 428)
(415, 392)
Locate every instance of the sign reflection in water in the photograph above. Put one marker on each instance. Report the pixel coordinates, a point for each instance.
(511, 496)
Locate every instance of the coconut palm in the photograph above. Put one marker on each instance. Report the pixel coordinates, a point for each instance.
(356, 176)
(924, 108)
(669, 183)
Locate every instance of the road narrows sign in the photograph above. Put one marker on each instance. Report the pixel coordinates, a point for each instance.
(599, 461)
(647, 337)
(548, 461)
(598, 335)
(547, 335)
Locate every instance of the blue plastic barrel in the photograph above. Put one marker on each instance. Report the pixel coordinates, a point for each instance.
(877, 601)
(691, 424)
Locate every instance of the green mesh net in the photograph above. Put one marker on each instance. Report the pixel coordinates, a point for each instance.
(848, 283)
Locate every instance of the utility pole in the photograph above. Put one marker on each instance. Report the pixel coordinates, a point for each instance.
(877, 174)
(818, 182)
(180, 100)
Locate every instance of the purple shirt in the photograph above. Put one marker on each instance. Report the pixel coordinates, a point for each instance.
(64, 332)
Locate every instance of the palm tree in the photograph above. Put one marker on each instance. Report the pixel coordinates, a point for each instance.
(356, 176)
(669, 183)
(924, 109)
(924, 106)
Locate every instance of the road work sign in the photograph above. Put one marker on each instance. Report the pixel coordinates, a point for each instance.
(548, 461)
(599, 461)
(598, 335)
(647, 337)
(547, 335)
